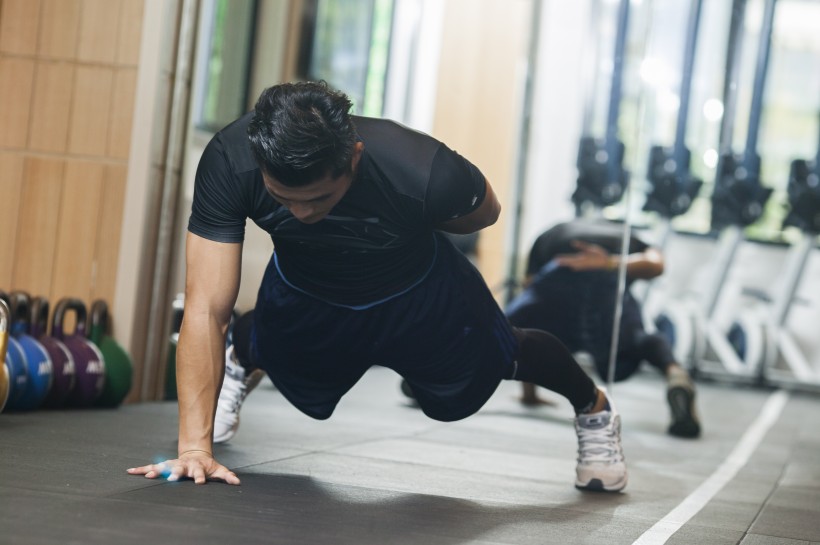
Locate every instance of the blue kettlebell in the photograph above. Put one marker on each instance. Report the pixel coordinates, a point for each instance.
(15, 360)
(40, 368)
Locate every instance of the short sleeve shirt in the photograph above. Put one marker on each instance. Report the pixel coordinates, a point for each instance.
(376, 242)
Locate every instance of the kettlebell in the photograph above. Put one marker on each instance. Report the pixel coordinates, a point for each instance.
(15, 359)
(118, 367)
(64, 375)
(177, 312)
(4, 371)
(88, 361)
(38, 361)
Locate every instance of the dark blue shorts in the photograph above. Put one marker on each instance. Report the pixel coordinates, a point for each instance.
(446, 336)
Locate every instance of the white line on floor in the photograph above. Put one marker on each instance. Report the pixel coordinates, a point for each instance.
(688, 508)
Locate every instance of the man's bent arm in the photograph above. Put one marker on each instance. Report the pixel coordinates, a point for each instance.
(211, 288)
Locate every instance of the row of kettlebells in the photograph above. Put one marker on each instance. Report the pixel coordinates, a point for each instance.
(55, 368)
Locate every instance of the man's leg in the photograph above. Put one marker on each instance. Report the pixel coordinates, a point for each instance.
(543, 360)
(680, 389)
(240, 378)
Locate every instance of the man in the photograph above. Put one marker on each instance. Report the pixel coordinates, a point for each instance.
(360, 275)
(570, 291)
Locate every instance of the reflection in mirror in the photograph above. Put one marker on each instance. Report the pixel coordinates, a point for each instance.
(579, 272)
(751, 129)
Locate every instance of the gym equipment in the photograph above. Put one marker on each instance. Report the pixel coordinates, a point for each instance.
(40, 369)
(89, 362)
(4, 369)
(738, 201)
(177, 311)
(64, 375)
(15, 359)
(672, 185)
(118, 367)
(776, 350)
(602, 179)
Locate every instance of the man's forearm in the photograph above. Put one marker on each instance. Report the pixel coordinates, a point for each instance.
(200, 368)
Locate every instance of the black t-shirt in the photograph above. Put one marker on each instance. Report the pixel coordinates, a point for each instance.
(376, 242)
(558, 240)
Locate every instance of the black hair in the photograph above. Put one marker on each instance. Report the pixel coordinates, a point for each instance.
(301, 132)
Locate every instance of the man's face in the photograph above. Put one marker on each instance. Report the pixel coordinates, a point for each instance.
(312, 202)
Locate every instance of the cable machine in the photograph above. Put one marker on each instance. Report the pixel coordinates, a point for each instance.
(672, 185)
(602, 179)
(779, 356)
(738, 201)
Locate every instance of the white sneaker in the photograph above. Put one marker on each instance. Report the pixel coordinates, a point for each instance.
(236, 385)
(601, 465)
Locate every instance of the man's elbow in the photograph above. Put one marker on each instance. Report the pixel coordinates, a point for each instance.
(495, 213)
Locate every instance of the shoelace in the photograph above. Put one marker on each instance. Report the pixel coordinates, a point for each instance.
(598, 445)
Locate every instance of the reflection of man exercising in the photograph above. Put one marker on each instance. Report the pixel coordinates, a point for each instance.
(570, 291)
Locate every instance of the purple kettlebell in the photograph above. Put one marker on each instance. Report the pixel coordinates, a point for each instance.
(65, 375)
(88, 361)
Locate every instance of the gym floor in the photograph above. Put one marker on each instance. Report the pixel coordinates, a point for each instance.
(379, 472)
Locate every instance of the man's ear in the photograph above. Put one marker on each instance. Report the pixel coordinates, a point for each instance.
(358, 148)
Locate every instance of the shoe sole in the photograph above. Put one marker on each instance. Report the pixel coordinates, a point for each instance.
(681, 401)
(596, 485)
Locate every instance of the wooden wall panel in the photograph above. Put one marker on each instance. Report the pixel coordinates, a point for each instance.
(130, 32)
(122, 113)
(90, 110)
(16, 81)
(98, 37)
(37, 225)
(11, 183)
(19, 20)
(108, 233)
(52, 107)
(77, 230)
(59, 29)
(68, 74)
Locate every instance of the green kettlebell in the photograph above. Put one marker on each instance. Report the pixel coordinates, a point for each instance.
(118, 367)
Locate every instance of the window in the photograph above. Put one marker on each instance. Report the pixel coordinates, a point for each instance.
(224, 62)
(346, 43)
